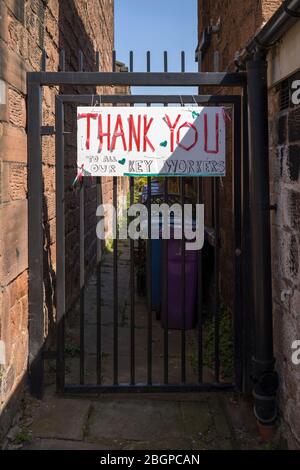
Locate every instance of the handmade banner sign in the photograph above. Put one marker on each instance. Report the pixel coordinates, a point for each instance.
(152, 141)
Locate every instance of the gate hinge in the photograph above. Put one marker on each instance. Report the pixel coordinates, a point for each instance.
(47, 130)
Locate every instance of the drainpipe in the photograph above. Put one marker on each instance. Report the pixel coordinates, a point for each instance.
(254, 57)
(264, 376)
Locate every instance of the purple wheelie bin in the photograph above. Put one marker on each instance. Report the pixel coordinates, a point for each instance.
(176, 318)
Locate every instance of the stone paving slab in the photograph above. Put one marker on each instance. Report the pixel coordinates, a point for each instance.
(192, 421)
(158, 423)
(135, 421)
(164, 444)
(196, 417)
(61, 419)
(220, 420)
(61, 444)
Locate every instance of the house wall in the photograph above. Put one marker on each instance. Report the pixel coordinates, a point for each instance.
(282, 58)
(285, 193)
(238, 23)
(26, 28)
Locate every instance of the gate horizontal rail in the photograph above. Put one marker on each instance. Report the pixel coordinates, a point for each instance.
(157, 99)
(153, 388)
(164, 79)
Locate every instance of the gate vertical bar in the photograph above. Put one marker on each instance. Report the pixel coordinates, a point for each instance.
(165, 273)
(200, 281)
(115, 267)
(200, 298)
(62, 60)
(132, 285)
(35, 240)
(149, 265)
(131, 61)
(183, 280)
(216, 304)
(82, 262)
(44, 61)
(98, 271)
(60, 245)
(114, 61)
(149, 283)
(166, 294)
(132, 297)
(115, 282)
(238, 255)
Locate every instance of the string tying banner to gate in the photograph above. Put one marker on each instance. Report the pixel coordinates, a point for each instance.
(226, 115)
(80, 174)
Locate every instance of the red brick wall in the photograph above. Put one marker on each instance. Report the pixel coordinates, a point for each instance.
(26, 27)
(239, 20)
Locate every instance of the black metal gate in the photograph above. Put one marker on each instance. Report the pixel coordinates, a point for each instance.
(238, 103)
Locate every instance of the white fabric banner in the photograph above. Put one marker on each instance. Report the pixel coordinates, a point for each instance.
(152, 141)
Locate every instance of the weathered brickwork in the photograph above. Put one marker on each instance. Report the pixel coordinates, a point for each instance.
(27, 27)
(236, 24)
(285, 193)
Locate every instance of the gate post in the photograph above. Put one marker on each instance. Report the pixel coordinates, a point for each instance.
(35, 239)
(264, 377)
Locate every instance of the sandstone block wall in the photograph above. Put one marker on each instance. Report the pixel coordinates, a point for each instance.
(285, 193)
(26, 28)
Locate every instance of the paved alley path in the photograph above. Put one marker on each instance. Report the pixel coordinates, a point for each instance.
(131, 421)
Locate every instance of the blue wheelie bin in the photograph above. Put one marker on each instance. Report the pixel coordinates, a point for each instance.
(156, 252)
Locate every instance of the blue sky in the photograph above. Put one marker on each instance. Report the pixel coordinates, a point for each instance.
(157, 25)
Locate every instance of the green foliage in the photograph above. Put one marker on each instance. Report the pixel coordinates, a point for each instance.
(109, 245)
(226, 342)
(23, 437)
(71, 349)
(139, 184)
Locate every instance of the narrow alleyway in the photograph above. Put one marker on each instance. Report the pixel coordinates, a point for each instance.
(137, 421)
(124, 331)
